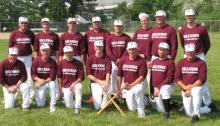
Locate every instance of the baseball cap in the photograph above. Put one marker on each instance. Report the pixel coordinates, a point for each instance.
(97, 18)
(67, 49)
(164, 45)
(189, 12)
(98, 43)
(190, 47)
(141, 15)
(71, 19)
(132, 45)
(118, 22)
(44, 46)
(45, 20)
(161, 13)
(22, 19)
(13, 51)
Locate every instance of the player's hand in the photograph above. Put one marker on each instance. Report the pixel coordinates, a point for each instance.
(61, 93)
(188, 87)
(41, 82)
(37, 85)
(12, 89)
(187, 93)
(156, 92)
(128, 86)
(149, 64)
(105, 87)
(117, 61)
(72, 87)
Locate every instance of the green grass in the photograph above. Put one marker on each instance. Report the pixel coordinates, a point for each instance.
(63, 116)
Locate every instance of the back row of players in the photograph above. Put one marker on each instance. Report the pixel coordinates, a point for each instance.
(152, 53)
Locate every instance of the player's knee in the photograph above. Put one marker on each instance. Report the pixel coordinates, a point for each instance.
(78, 87)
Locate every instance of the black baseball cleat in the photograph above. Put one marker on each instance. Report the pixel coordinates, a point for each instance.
(195, 119)
(213, 107)
(166, 115)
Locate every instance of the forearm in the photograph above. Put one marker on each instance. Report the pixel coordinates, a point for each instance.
(181, 84)
(77, 81)
(35, 54)
(197, 83)
(138, 80)
(48, 80)
(93, 78)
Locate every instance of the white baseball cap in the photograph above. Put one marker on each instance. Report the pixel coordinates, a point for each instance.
(22, 19)
(44, 46)
(161, 13)
(71, 20)
(97, 18)
(190, 47)
(164, 45)
(189, 12)
(141, 15)
(98, 43)
(118, 22)
(13, 51)
(132, 45)
(45, 20)
(67, 49)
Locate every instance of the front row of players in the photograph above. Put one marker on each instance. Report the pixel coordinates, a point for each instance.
(190, 75)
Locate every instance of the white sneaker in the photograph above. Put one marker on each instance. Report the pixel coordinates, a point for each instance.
(77, 111)
(141, 114)
(52, 109)
(25, 109)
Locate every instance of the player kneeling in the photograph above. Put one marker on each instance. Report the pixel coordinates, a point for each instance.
(190, 75)
(12, 77)
(44, 70)
(70, 74)
(162, 74)
(132, 69)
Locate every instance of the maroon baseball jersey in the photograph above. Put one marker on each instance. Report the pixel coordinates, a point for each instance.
(69, 72)
(143, 38)
(44, 69)
(197, 35)
(131, 69)
(116, 45)
(98, 67)
(47, 38)
(162, 72)
(164, 34)
(74, 40)
(23, 41)
(10, 73)
(91, 36)
(191, 71)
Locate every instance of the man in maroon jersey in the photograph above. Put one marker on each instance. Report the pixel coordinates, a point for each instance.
(98, 70)
(74, 39)
(23, 39)
(142, 37)
(70, 74)
(132, 69)
(162, 75)
(43, 71)
(13, 78)
(191, 75)
(50, 38)
(195, 33)
(115, 48)
(96, 34)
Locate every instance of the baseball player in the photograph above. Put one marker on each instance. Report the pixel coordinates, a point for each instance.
(70, 74)
(191, 75)
(132, 69)
(23, 39)
(98, 70)
(74, 39)
(43, 71)
(96, 34)
(13, 78)
(143, 37)
(195, 33)
(116, 47)
(50, 38)
(162, 75)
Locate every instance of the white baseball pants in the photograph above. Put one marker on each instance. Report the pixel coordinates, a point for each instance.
(165, 93)
(99, 96)
(27, 60)
(41, 94)
(9, 98)
(69, 101)
(113, 88)
(207, 96)
(135, 98)
(56, 82)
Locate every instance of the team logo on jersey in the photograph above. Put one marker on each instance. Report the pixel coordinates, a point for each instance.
(190, 70)
(43, 70)
(93, 39)
(118, 44)
(23, 40)
(160, 35)
(159, 68)
(128, 67)
(46, 41)
(68, 71)
(98, 66)
(12, 72)
(191, 37)
(142, 36)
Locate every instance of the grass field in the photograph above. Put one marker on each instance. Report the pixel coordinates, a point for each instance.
(63, 116)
